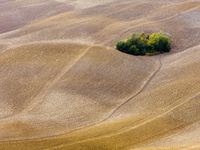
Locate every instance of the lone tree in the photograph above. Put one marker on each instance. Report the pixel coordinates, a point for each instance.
(145, 44)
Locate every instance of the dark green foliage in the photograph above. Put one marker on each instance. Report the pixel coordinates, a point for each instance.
(142, 44)
(159, 42)
(122, 46)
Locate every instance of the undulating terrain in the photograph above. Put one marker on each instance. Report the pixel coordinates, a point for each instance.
(63, 86)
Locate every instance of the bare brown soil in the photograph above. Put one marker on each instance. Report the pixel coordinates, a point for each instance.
(64, 86)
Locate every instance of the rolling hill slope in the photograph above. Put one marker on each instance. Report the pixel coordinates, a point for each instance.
(64, 86)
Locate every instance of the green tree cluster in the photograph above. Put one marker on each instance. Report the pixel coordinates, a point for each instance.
(144, 44)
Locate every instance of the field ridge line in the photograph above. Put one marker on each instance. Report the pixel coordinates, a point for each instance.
(51, 83)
